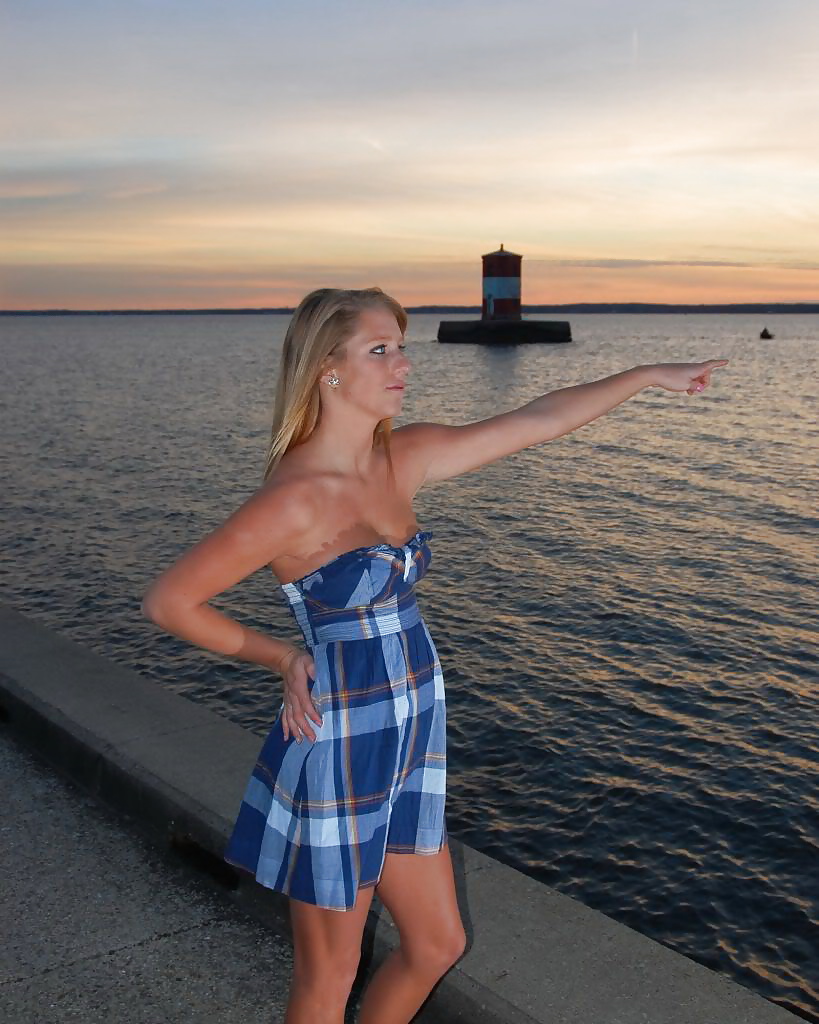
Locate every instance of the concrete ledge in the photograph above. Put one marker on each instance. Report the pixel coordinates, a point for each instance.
(180, 770)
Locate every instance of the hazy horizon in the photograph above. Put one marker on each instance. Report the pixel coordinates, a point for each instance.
(775, 308)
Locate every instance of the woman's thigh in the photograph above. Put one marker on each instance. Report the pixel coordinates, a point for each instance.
(328, 939)
(419, 892)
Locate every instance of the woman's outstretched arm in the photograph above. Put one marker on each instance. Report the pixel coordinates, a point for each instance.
(441, 451)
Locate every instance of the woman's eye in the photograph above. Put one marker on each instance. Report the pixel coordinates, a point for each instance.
(381, 349)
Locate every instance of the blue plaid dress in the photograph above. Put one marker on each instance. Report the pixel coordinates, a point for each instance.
(317, 819)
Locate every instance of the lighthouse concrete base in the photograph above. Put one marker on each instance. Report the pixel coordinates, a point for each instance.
(504, 332)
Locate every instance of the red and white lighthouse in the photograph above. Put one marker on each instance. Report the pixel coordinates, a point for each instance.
(501, 322)
(501, 285)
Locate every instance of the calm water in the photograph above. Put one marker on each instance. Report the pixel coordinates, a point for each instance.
(627, 617)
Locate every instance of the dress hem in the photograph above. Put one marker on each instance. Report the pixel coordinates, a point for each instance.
(371, 884)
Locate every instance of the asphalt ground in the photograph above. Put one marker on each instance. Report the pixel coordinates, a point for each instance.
(101, 925)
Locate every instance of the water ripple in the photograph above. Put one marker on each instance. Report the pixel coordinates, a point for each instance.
(627, 616)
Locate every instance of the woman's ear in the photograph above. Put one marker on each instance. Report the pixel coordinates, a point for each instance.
(329, 368)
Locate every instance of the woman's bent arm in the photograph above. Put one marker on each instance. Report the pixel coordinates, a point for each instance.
(206, 627)
(256, 533)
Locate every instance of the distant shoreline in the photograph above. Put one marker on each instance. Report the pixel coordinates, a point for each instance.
(572, 307)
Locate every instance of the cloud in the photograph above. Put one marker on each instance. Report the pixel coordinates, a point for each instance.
(620, 264)
(593, 136)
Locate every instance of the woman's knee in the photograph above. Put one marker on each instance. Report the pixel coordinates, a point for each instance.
(453, 949)
(437, 953)
(331, 974)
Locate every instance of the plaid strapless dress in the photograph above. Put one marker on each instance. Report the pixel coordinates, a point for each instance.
(317, 819)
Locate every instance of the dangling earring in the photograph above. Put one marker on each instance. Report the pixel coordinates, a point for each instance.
(333, 380)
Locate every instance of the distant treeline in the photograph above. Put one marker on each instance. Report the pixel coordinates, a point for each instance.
(572, 307)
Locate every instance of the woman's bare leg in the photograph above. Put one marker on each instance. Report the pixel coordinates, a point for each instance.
(419, 892)
(326, 952)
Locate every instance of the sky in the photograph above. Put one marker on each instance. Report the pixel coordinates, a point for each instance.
(158, 154)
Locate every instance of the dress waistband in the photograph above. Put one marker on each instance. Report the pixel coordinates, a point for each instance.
(325, 625)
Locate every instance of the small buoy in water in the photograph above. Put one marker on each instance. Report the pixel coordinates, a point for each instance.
(765, 333)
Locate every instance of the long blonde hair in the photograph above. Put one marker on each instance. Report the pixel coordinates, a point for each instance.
(323, 321)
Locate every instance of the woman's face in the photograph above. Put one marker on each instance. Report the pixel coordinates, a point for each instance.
(373, 368)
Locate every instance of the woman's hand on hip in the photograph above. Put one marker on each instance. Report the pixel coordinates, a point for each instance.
(689, 377)
(298, 668)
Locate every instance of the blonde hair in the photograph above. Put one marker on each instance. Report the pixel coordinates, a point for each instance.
(323, 321)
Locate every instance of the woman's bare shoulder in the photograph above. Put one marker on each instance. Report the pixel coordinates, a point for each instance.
(413, 438)
(290, 497)
(265, 526)
(410, 446)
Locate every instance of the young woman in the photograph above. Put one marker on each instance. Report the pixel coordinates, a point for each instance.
(347, 794)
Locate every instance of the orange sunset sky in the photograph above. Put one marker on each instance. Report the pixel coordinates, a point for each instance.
(194, 154)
